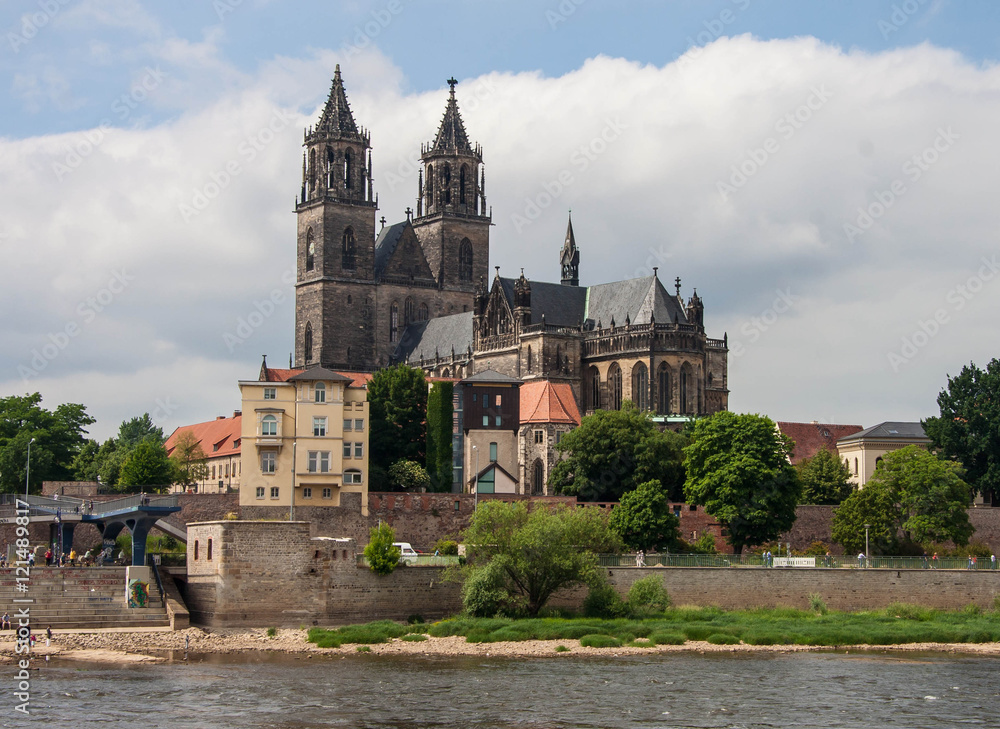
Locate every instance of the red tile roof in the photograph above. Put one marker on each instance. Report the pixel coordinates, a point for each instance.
(548, 402)
(810, 438)
(271, 374)
(221, 432)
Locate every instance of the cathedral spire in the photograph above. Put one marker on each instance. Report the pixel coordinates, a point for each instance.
(569, 257)
(337, 121)
(451, 136)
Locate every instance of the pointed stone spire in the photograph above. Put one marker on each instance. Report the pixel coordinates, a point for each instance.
(569, 257)
(337, 121)
(451, 136)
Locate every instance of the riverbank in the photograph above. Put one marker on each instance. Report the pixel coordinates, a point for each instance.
(149, 646)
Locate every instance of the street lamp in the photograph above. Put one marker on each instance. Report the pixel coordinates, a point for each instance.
(27, 472)
(476, 451)
(867, 553)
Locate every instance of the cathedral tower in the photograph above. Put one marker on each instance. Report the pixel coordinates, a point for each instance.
(452, 221)
(569, 258)
(334, 296)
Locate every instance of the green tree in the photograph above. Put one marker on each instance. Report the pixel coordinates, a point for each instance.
(85, 464)
(825, 479)
(912, 498)
(134, 431)
(519, 558)
(439, 431)
(968, 428)
(190, 462)
(643, 519)
(397, 398)
(737, 467)
(382, 556)
(615, 450)
(58, 434)
(408, 476)
(147, 465)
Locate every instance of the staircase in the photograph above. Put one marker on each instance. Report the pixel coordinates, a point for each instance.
(79, 597)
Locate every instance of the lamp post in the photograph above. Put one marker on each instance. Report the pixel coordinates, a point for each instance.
(27, 472)
(475, 450)
(867, 553)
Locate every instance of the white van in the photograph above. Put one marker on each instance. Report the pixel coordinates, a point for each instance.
(407, 553)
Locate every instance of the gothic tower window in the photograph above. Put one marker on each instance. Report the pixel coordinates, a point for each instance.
(529, 358)
(393, 322)
(312, 170)
(430, 185)
(407, 311)
(595, 388)
(465, 260)
(347, 250)
(615, 386)
(446, 184)
(461, 184)
(310, 250)
(640, 386)
(307, 343)
(347, 169)
(687, 400)
(663, 389)
(423, 314)
(538, 477)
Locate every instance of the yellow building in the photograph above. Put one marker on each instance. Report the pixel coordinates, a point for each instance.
(315, 420)
(862, 451)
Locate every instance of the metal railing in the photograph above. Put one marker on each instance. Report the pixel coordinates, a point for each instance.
(778, 562)
(423, 560)
(132, 502)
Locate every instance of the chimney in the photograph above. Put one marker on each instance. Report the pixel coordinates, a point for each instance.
(237, 413)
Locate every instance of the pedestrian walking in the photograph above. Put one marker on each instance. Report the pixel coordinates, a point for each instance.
(993, 561)
(861, 559)
(48, 557)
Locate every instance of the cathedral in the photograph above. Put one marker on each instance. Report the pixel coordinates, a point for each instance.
(420, 291)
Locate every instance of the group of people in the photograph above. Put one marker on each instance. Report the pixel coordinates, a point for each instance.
(55, 558)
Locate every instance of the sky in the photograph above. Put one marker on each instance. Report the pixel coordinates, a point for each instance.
(823, 173)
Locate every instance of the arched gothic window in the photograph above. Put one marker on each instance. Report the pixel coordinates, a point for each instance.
(663, 389)
(312, 171)
(393, 322)
(423, 314)
(430, 185)
(446, 184)
(347, 260)
(529, 358)
(687, 393)
(615, 387)
(465, 260)
(310, 250)
(640, 386)
(407, 311)
(538, 477)
(461, 184)
(348, 158)
(307, 343)
(595, 389)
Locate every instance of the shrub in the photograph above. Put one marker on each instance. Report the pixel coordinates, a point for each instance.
(382, 556)
(562, 649)
(446, 547)
(668, 638)
(363, 649)
(271, 632)
(648, 596)
(816, 549)
(723, 639)
(972, 609)
(414, 637)
(485, 596)
(604, 602)
(599, 640)
(907, 611)
(816, 603)
(642, 643)
(415, 619)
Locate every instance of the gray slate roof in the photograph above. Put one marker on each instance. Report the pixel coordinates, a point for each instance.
(319, 373)
(440, 335)
(336, 118)
(491, 376)
(563, 306)
(889, 430)
(385, 245)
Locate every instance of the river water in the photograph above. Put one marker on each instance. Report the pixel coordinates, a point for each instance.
(664, 690)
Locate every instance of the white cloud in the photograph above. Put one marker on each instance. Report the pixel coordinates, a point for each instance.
(645, 193)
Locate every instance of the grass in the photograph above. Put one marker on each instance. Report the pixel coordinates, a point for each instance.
(896, 624)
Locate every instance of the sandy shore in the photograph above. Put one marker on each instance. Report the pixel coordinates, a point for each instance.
(143, 646)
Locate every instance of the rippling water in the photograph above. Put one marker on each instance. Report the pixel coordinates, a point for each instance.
(675, 690)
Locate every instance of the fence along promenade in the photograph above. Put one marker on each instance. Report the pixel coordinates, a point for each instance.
(758, 560)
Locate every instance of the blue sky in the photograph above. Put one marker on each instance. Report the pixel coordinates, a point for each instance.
(118, 114)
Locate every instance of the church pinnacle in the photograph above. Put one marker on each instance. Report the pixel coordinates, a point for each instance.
(451, 136)
(569, 257)
(337, 121)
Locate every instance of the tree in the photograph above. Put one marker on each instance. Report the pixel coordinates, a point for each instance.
(190, 462)
(643, 520)
(380, 552)
(737, 467)
(134, 431)
(147, 465)
(397, 398)
(825, 479)
(408, 476)
(439, 431)
(912, 498)
(58, 434)
(968, 428)
(519, 558)
(615, 450)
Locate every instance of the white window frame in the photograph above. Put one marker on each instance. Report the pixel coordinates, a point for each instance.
(327, 493)
(319, 426)
(319, 392)
(275, 492)
(352, 476)
(347, 449)
(307, 492)
(359, 425)
(260, 492)
(270, 393)
(268, 458)
(266, 422)
(359, 450)
(319, 461)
